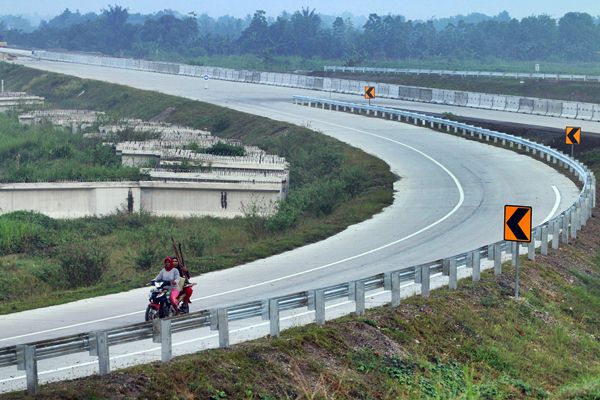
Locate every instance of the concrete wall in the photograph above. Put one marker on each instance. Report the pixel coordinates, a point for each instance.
(178, 199)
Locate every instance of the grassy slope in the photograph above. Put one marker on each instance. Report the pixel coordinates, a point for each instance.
(472, 343)
(209, 243)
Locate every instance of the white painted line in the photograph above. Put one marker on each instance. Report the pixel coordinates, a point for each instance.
(395, 242)
(556, 205)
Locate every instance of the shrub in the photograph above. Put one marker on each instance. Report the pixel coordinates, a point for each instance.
(147, 257)
(81, 263)
(224, 149)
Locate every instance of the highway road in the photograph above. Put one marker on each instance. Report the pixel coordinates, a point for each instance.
(449, 200)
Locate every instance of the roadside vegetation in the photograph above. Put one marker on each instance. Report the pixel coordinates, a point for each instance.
(474, 343)
(332, 185)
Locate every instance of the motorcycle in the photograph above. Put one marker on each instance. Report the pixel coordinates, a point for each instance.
(159, 302)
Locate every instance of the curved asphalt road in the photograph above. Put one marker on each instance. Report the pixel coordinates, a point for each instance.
(449, 200)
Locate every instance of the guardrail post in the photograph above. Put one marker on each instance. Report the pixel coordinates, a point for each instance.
(387, 281)
(572, 225)
(544, 249)
(531, 249)
(359, 297)
(99, 348)
(223, 327)
(27, 361)
(161, 333)
(418, 274)
(555, 233)
(565, 228)
(274, 317)
(395, 288)
(476, 263)
(490, 252)
(320, 306)
(425, 280)
(446, 266)
(497, 259)
(214, 321)
(453, 274)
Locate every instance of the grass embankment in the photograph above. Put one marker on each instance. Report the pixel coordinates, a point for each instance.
(548, 89)
(474, 343)
(333, 185)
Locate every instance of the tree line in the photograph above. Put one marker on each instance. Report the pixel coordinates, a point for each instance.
(573, 37)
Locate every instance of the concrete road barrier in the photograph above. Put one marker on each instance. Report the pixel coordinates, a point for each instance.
(525, 105)
(449, 97)
(486, 101)
(499, 103)
(569, 109)
(461, 98)
(585, 111)
(540, 106)
(554, 108)
(473, 99)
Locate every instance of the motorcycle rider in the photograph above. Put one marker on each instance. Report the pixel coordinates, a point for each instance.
(185, 291)
(171, 274)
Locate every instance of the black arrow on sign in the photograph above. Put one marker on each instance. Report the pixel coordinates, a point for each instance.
(370, 91)
(571, 135)
(513, 223)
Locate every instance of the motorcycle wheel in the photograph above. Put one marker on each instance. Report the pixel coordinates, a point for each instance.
(164, 311)
(151, 313)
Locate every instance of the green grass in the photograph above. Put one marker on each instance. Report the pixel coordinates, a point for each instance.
(474, 343)
(332, 186)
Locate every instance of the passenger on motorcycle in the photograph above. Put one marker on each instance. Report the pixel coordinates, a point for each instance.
(171, 274)
(185, 291)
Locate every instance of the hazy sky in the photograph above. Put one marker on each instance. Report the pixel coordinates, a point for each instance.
(412, 9)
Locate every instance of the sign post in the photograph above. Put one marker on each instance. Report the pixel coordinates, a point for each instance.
(573, 136)
(369, 93)
(205, 77)
(517, 229)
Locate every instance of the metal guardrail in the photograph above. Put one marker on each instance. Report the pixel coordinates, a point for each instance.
(563, 226)
(479, 74)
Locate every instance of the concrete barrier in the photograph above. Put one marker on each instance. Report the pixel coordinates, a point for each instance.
(415, 94)
(425, 95)
(525, 105)
(437, 96)
(393, 91)
(473, 99)
(585, 111)
(449, 97)
(382, 90)
(461, 98)
(512, 103)
(318, 83)
(540, 106)
(486, 101)
(596, 116)
(344, 86)
(554, 108)
(569, 109)
(499, 103)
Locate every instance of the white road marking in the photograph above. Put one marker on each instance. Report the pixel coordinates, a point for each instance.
(556, 204)
(385, 246)
(184, 342)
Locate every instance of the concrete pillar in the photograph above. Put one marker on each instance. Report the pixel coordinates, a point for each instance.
(555, 233)
(99, 348)
(27, 361)
(359, 297)
(264, 310)
(453, 275)
(223, 327)
(214, 321)
(425, 280)
(161, 333)
(446, 266)
(395, 288)
(573, 226)
(531, 250)
(274, 317)
(476, 263)
(418, 274)
(519, 146)
(320, 306)
(544, 249)
(497, 259)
